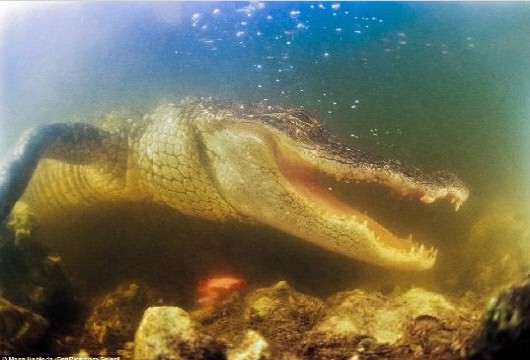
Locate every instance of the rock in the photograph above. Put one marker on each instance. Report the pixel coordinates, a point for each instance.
(351, 313)
(385, 320)
(225, 320)
(253, 347)
(505, 332)
(414, 305)
(282, 314)
(20, 329)
(168, 332)
(114, 319)
(411, 325)
(417, 324)
(32, 277)
(278, 315)
(498, 248)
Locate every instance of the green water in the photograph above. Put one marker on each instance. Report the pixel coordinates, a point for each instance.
(442, 86)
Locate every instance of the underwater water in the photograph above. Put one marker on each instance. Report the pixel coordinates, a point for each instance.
(438, 85)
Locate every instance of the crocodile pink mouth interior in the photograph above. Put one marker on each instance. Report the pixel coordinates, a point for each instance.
(307, 183)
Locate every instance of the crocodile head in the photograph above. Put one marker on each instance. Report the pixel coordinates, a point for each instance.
(267, 162)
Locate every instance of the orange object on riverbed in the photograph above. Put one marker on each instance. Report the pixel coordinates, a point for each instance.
(217, 289)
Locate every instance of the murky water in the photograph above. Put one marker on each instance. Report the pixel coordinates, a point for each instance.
(442, 86)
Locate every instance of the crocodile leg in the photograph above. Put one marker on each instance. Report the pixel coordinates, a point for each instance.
(68, 142)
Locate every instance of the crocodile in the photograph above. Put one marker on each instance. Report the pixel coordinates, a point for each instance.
(224, 161)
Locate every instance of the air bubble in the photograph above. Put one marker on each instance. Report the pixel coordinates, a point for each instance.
(295, 13)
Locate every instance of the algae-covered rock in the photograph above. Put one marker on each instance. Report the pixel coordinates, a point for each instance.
(505, 332)
(114, 319)
(168, 332)
(498, 248)
(253, 347)
(381, 318)
(415, 325)
(282, 314)
(351, 313)
(224, 320)
(20, 329)
(30, 275)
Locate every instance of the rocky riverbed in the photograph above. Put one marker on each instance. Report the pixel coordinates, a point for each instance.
(40, 314)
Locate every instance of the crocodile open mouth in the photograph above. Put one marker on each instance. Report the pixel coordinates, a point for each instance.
(321, 191)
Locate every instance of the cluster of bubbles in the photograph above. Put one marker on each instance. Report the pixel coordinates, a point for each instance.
(273, 41)
(274, 51)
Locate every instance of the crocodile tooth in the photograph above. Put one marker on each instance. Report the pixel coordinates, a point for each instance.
(428, 198)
